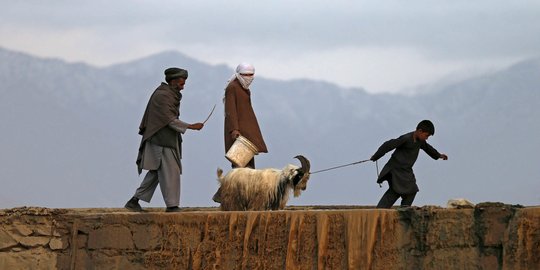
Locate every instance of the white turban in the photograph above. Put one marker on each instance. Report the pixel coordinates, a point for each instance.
(241, 71)
(245, 68)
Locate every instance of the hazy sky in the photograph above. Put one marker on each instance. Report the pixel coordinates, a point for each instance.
(382, 46)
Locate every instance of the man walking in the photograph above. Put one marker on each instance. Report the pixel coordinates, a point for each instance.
(160, 151)
(240, 117)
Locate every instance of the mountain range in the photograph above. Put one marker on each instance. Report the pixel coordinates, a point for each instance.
(69, 133)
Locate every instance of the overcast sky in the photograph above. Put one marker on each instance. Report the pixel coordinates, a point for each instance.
(382, 46)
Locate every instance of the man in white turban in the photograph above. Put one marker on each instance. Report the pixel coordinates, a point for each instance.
(240, 118)
(244, 74)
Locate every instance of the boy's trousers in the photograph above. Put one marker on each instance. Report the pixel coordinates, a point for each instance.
(390, 197)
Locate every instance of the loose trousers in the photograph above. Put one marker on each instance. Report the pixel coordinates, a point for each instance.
(168, 177)
(390, 197)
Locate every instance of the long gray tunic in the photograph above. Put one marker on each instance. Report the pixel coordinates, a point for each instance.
(164, 168)
(398, 170)
(152, 154)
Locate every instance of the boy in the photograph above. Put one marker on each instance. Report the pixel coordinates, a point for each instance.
(398, 171)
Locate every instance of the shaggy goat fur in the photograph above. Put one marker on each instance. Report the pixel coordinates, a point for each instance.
(266, 189)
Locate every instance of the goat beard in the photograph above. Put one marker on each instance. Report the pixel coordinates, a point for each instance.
(300, 187)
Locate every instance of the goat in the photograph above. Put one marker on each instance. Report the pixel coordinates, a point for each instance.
(265, 189)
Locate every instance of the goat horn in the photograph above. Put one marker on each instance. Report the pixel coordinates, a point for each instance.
(305, 163)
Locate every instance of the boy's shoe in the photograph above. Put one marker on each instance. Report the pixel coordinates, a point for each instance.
(173, 209)
(133, 205)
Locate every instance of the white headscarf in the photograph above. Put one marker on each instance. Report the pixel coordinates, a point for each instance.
(241, 70)
(245, 81)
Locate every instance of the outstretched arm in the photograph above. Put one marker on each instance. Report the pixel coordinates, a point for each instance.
(196, 126)
(181, 126)
(387, 147)
(432, 152)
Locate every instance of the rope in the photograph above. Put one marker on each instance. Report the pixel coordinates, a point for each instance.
(341, 166)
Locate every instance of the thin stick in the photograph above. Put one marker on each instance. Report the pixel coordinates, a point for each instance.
(212, 111)
(341, 166)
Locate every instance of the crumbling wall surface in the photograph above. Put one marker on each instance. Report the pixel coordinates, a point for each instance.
(522, 241)
(31, 238)
(490, 236)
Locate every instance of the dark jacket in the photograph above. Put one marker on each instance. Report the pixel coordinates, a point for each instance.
(398, 170)
(163, 107)
(239, 115)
